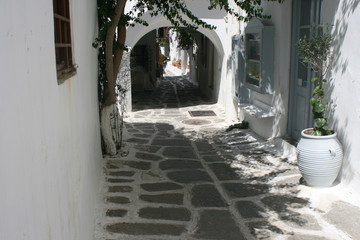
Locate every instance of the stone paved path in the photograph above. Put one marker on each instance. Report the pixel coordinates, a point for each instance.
(187, 178)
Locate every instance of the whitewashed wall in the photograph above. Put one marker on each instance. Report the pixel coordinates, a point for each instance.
(344, 114)
(227, 26)
(281, 21)
(345, 83)
(50, 156)
(231, 28)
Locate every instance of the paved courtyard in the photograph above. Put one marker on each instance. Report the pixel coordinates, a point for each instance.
(183, 176)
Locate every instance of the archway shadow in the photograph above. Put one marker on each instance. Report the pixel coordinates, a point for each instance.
(172, 92)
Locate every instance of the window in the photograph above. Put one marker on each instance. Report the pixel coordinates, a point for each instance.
(63, 47)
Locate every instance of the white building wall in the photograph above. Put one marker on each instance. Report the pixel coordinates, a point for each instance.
(344, 114)
(281, 20)
(278, 100)
(344, 90)
(227, 26)
(50, 156)
(232, 28)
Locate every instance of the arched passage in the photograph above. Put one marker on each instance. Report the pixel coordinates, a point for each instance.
(136, 33)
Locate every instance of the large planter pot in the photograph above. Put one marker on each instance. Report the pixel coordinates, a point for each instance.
(319, 159)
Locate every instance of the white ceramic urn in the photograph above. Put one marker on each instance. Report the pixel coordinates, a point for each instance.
(319, 158)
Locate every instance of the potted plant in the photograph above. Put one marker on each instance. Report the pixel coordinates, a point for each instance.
(319, 151)
(178, 63)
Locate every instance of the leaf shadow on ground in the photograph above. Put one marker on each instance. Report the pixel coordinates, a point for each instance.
(233, 174)
(254, 180)
(268, 184)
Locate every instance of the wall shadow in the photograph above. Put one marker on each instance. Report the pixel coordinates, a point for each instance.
(338, 66)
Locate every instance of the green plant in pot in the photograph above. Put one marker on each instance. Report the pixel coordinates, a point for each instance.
(319, 151)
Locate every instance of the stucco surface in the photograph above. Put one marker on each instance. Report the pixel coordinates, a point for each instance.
(49, 133)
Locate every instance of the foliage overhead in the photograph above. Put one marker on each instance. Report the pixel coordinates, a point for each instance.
(185, 38)
(176, 11)
(113, 22)
(314, 51)
(163, 41)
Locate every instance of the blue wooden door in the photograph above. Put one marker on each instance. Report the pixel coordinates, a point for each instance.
(305, 14)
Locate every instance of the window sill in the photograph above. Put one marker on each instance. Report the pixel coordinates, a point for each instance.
(258, 109)
(62, 78)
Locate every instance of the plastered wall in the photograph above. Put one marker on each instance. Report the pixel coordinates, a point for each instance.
(50, 156)
(344, 87)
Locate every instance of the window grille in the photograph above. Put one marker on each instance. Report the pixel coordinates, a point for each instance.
(63, 46)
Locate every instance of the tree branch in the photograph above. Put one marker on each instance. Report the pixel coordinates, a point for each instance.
(119, 52)
(110, 97)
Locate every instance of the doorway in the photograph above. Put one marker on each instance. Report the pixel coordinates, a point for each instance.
(305, 14)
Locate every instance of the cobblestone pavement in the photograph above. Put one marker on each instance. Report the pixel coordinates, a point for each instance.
(184, 177)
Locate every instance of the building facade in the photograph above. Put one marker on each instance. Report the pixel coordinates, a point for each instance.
(292, 81)
(280, 107)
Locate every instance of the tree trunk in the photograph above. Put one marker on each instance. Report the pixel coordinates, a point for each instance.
(110, 147)
(113, 61)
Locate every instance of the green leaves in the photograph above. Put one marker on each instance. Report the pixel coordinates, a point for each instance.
(319, 107)
(314, 51)
(312, 101)
(316, 133)
(173, 10)
(314, 79)
(186, 40)
(321, 122)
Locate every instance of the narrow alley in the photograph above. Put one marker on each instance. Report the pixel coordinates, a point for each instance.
(181, 175)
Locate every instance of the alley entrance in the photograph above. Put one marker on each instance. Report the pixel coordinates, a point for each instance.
(163, 53)
(172, 92)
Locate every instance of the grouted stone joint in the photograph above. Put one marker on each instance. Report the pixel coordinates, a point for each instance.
(196, 182)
